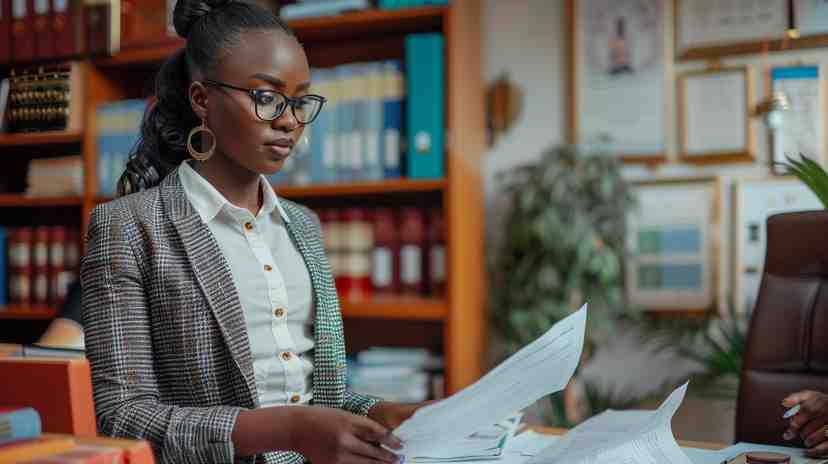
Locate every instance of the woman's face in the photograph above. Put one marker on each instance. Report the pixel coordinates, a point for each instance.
(266, 60)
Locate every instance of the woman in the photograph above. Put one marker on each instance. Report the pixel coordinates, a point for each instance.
(811, 422)
(208, 302)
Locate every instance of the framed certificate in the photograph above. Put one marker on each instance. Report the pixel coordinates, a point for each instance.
(710, 28)
(802, 131)
(811, 17)
(755, 201)
(673, 260)
(714, 108)
(618, 60)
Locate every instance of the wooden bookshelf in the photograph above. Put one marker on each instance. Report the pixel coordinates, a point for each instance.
(362, 24)
(22, 200)
(27, 313)
(362, 188)
(403, 308)
(349, 26)
(40, 138)
(459, 318)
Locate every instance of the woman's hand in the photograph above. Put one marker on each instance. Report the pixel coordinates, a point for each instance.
(391, 415)
(811, 422)
(327, 435)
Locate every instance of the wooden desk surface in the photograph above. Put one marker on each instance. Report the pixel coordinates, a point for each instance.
(687, 443)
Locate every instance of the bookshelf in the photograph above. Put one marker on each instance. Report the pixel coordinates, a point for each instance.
(40, 138)
(27, 313)
(456, 321)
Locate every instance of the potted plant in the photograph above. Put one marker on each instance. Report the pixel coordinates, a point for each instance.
(562, 245)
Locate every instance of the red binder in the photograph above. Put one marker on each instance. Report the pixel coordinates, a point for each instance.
(44, 40)
(23, 41)
(5, 31)
(67, 27)
(103, 26)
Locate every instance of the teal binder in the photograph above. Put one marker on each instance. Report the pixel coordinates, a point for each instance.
(424, 55)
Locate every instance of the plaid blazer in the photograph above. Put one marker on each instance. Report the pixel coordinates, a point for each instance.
(165, 332)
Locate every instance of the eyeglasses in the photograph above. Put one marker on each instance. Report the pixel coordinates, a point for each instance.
(270, 104)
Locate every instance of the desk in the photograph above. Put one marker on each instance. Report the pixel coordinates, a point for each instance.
(685, 443)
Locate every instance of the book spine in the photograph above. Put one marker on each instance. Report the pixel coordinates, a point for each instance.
(19, 424)
(40, 256)
(425, 81)
(393, 95)
(43, 34)
(5, 31)
(23, 41)
(68, 28)
(4, 297)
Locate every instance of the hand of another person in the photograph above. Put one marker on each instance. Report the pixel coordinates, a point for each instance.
(811, 422)
(334, 436)
(391, 415)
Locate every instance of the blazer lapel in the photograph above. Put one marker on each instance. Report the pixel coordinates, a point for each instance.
(328, 387)
(212, 273)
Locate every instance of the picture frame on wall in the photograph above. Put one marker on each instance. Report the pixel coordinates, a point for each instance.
(756, 200)
(803, 125)
(673, 253)
(714, 115)
(713, 28)
(619, 60)
(811, 17)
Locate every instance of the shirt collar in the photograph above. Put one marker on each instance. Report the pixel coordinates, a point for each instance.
(208, 201)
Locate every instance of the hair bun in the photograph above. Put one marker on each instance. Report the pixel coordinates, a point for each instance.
(188, 12)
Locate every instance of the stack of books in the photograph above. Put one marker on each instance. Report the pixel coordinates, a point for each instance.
(119, 128)
(22, 441)
(316, 8)
(397, 374)
(380, 121)
(55, 177)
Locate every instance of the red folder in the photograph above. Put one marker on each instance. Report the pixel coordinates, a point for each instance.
(67, 27)
(5, 31)
(23, 41)
(44, 41)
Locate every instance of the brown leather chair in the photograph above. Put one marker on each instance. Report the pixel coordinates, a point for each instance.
(787, 346)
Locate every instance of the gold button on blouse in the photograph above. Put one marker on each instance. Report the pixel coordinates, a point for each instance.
(268, 267)
(286, 356)
(279, 312)
(248, 225)
(294, 399)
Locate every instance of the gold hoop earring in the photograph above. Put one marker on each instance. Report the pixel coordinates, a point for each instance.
(197, 155)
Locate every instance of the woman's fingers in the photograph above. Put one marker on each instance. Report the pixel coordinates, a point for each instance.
(372, 431)
(796, 398)
(368, 450)
(814, 432)
(819, 451)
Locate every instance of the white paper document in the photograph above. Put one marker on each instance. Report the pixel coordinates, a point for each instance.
(485, 444)
(621, 437)
(541, 368)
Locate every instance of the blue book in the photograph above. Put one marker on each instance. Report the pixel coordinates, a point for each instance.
(326, 130)
(18, 424)
(393, 96)
(326, 8)
(344, 122)
(104, 145)
(359, 99)
(425, 103)
(4, 296)
(373, 122)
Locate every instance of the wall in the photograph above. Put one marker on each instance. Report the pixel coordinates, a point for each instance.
(525, 38)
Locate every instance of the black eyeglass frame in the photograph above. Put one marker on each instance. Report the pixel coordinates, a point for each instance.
(292, 102)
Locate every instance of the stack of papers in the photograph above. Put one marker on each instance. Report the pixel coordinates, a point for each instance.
(621, 436)
(486, 444)
(543, 367)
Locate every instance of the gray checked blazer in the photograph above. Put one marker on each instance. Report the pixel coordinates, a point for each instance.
(165, 332)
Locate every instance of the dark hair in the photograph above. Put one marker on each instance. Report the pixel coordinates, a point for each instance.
(212, 29)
